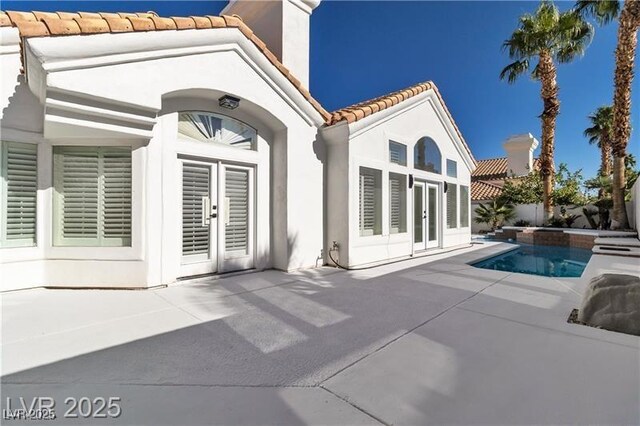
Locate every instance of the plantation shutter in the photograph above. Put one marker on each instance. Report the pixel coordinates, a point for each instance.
(20, 176)
(397, 153)
(78, 184)
(236, 211)
(195, 229)
(452, 206)
(397, 203)
(464, 206)
(116, 193)
(369, 200)
(92, 196)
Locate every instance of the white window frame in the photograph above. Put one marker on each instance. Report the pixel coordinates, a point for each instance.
(222, 117)
(377, 203)
(455, 198)
(455, 165)
(59, 241)
(403, 204)
(466, 203)
(401, 146)
(21, 242)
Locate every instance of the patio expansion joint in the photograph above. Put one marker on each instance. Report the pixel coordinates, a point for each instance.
(362, 410)
(200, 385)
(395, 339)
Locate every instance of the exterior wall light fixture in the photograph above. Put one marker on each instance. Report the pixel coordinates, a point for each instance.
(229, 102)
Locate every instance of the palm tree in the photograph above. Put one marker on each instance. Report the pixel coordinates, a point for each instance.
(495, 213)
(600, 133)
(604, 11)
(548, 36)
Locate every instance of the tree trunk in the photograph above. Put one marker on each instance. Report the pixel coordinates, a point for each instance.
(549, 94)
(619, 207)
(605, 156)
(605, 170)
(625, 58)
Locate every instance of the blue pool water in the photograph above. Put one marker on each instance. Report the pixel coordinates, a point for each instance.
(549, 261)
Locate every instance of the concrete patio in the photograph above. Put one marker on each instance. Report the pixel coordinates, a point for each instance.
(426, 341)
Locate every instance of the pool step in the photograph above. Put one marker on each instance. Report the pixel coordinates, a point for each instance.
(617, 242)
(616, 250)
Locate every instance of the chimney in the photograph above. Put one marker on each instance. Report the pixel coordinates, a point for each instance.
(284, 26)
(520, 154)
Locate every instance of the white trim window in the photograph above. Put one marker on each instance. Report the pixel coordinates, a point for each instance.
(218, 129)
(464, 206)
(427, 156)
(370, 201)
(92, 197)
(452, 168)
(452, 205)
(397, 153)
(397, 203)
(18, 194)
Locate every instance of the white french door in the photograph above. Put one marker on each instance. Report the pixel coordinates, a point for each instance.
(237, 227)
(217, 218)
(433, 216)
(426, 216)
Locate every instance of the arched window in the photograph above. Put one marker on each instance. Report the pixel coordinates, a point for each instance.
(215, 128)
(426, 156)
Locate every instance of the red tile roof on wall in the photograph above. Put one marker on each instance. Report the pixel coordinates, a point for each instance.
(364, 109)
(44, 24)
(495, 168)
(481, 190)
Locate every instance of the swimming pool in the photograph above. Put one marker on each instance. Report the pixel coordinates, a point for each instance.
(548, 261)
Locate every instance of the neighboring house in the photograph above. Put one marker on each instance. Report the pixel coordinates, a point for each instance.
(137, 150)
(490, 175)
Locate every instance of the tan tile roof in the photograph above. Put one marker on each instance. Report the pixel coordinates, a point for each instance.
(44, 24)
(361, 110)
(495, 168)
(481, 190)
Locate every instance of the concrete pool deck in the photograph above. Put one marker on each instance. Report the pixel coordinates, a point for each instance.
(426, 341)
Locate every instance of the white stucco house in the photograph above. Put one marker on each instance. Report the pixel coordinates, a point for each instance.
(138, 150)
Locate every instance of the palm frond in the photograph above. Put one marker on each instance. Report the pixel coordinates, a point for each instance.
(514, 70)
(603, 11)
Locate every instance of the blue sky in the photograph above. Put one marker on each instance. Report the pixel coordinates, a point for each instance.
(363, 49)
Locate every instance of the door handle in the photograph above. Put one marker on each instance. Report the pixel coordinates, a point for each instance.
(206, 202)
(214, 213)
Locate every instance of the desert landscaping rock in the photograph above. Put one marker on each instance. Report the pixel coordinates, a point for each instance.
(612, 302)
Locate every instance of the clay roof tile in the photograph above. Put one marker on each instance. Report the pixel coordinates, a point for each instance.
(16, 17)
(201, 21)
(92, 25)
(163, 23)
(107, 15)
(4, 20)
(141, 24)
(41, 15)
(59, 26)
(184, 23)
(90, 15)
(217, 21)
(68, 15)
(119, 25)
(232, 21)
(32, 29)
